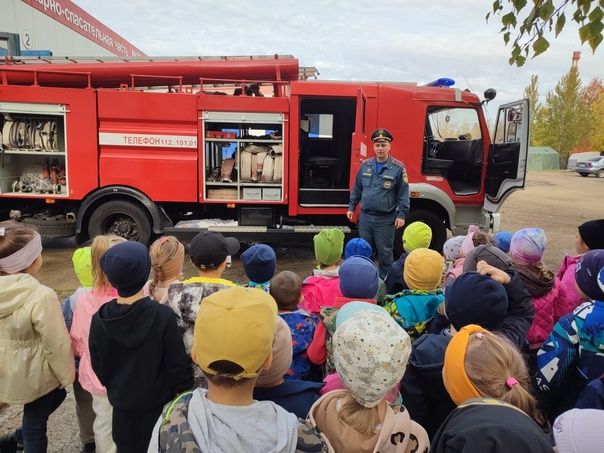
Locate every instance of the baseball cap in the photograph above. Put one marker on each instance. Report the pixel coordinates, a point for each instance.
(237, 325)
(210, 248)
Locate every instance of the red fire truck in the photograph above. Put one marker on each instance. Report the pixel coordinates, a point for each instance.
(247, 145)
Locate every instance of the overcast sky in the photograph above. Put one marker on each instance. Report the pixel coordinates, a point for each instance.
(399, 40)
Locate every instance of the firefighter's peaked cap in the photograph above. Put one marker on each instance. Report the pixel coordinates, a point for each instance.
(381, 134)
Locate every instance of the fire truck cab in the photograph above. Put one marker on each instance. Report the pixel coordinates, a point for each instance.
(245, 145)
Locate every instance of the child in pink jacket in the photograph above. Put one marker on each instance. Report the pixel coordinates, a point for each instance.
(322, 288)
(87, 305)
(547, 292)
(590, 236)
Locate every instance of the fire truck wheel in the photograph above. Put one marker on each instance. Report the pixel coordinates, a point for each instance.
(434, 221)
(122, 218)
(51, 226)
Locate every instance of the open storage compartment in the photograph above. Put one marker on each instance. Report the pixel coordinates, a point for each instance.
(33, 155)
(243, 156)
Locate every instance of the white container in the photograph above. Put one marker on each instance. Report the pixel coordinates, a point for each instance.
(271, 194)
(252, 193)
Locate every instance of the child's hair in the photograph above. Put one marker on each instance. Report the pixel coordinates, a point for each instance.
(163, 252)
(362, 419)
(225, 368)
(494, 365)
(481, 238)
(99, 246)
(286, 288)
(15, 237)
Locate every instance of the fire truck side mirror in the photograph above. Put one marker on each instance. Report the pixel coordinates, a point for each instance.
(489, 94)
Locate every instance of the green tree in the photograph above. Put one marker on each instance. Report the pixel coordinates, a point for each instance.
(526, 25)
(563, 120)
(591, 95)
(531, 92)
(597, 113)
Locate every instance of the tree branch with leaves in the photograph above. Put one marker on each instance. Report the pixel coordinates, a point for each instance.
(526, 26)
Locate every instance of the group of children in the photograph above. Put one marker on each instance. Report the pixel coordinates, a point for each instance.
(478, 348)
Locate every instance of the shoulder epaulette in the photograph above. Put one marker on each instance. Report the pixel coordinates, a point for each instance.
(366, 161)
(398, 162)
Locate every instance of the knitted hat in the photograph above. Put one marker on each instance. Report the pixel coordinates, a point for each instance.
(350, 309)
(235, 324)
(423, 269)
(589, 274)
(82, 265)
(329, 244)
(528, 245)
(489, 253)
(127, 266)
(358, 278)
(458, 384)
(370, 352)
(416, 235)
(592, 233)
(475, 299)
(259, 263)
(452, 248)
(502, 240)
(579, 431)
(358, 246)
(282, 355)
(468, 243)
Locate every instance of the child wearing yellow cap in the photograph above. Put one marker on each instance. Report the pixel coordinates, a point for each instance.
(233, 344)
(416, 235)
(414, 308)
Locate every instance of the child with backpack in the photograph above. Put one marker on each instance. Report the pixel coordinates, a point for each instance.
(286, 289)
(322, 288)
(136, 349)
(36, 358)
(167, 261)
(87, 305)
(233, 342)
(293, 395)
(414, 308)
(259, 262)
(370, 353)
(547, 293)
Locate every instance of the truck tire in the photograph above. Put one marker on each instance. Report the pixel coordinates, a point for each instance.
(51, 226)
(436, 223)
(122, 218)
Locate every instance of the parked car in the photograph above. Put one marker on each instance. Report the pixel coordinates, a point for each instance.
(593, 166)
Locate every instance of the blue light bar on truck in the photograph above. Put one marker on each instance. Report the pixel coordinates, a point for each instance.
(442, 82)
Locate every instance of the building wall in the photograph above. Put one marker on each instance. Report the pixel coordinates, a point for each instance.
(61, 27)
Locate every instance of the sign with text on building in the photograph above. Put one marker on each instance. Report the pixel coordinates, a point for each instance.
(78, 20)
(148, 140)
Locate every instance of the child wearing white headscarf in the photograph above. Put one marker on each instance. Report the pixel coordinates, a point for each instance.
(370, 354)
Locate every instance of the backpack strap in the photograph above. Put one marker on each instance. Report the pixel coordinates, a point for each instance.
(175, 434)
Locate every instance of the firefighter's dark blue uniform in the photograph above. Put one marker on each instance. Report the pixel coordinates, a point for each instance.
(384, 196)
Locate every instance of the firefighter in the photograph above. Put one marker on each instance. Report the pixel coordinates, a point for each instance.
(381, 185)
